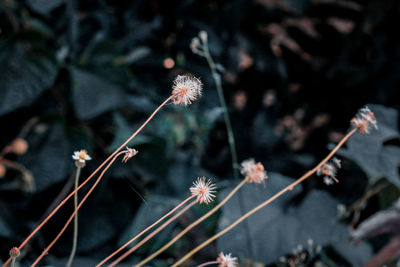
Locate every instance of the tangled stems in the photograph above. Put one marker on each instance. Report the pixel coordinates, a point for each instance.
(126, 254)
(76, 210)
(251, 212)
(145, 230)
(75, 236)
(187, 229)
(23, 244)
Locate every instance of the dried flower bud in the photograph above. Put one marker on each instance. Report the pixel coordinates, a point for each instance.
(186, 89)
(129, 153)
(203, 36)
(14, 252)
(255, 172)
(329, 170)
(364, 121)
(2, 170)
(226, 260)
(80, 158)
(19, 146)
(204, 191)
(195, 45)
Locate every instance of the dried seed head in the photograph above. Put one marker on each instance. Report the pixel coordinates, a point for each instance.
(2, 170)
(129, 153)
(186, 89)
(255, 172)
(203, 190)
(329, 170)
(226, 260)
(14, 252)
(19, 146)
(364, 121)
(80, 158)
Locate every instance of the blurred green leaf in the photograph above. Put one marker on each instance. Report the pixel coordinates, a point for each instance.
(44, 6)
(24, 74)
(51, 162)
(93, 95)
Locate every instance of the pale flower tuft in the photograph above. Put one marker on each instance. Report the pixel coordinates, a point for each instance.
(203, 190)
(364, 121)
(80, 158)
(186, 89)
(329, 170)
(226, 260)
(255, 172)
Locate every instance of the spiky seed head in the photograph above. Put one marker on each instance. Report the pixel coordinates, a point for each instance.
(186, 89)
(226, 260)
(203, 190)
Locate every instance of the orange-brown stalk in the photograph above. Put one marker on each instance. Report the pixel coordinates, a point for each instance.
(145, 230)
(193, 224)
(76, 210)
(23, 244)
(130, 251)
(286, 189)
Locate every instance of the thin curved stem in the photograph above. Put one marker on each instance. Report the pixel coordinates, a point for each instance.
(145, 230)
(88, 179)
(75, 235)
(187, 229)
(287, 188)
(208, 263)
(126, 254)
(231, 139)
(76, 210)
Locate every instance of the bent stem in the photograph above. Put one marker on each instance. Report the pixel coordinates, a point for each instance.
(145, 230)
(288, 188)
(152, 234)
(88, 179)
(75, 236)
(187, 229)
(76, 210)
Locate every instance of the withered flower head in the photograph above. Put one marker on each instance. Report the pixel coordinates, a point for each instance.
(186, 89)
(255, 172)
(364, 121)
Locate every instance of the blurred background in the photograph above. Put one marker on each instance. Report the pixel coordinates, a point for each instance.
(85, 74)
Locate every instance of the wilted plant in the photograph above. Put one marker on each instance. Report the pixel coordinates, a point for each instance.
(202, 190)
(364, 117)
(179, 96)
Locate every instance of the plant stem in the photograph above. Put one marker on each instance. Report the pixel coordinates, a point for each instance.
(288, 188)
(87, 179)
(75, 236)
(13, 262)
(76, 210)
(231, 138)
(126, 254)
(187, 229)
(208, 263)
(145, 230)
(218, 84)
